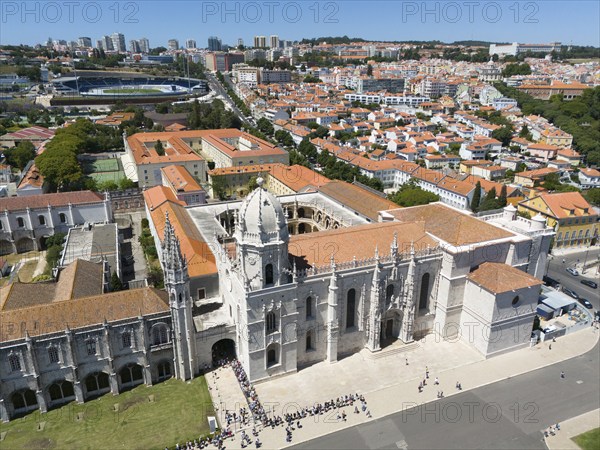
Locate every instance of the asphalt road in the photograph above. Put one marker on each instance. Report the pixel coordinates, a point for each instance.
(557, 270)
(216, 86)
(509, 414)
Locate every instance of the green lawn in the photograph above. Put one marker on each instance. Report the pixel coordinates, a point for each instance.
(132, 91)
(589, 440)
(178, 413)
(107, 176)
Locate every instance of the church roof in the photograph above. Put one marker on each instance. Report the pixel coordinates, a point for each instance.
(345, 244)
(55, 317)
(449, 225)
(498, 278)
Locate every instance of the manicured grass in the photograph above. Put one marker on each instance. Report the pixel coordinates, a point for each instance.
(589, 440)
(178, 413)
(107, 176)
(132, 91)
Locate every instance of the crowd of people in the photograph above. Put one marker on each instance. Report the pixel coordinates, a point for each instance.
(215, 439)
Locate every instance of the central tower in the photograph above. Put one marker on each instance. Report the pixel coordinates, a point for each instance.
(262, 238)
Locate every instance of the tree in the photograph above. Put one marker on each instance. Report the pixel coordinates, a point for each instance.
(219, 187)
(159, 148)
(489, 202)
(502, 202)
(593, 196)
(369, 70)
(476, 197)
(59, 167)
(503, 134)
(412, 195)
(525, 134)
(20, 155)
(115, 283)
(252, 183)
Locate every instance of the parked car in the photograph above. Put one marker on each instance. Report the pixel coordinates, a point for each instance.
(548, 281)
(571, 293)
(585, 302)
(573, 271)
(589, 283)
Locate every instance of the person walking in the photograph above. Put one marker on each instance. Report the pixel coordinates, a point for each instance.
(562, 374)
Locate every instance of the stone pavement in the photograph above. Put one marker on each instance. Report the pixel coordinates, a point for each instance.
(571, 428)
(389, 385)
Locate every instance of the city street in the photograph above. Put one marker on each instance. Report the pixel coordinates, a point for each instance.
(217, 87)
(557, 270)
(506, 414)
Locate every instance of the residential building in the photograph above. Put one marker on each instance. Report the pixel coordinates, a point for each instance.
(573, 219)
(183, 185)
(173, 44)
(190, 44)
(118, 42)
(589, 178)
(568, 91)
(515, 48)
(214, 44)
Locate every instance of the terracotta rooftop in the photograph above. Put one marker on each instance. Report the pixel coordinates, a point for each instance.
(498, 278)
(315, 249)
(180, 179)
(81, 312)
(297, 177)
(562, 205)
(450, 225)
(45, 200)
(357, 198)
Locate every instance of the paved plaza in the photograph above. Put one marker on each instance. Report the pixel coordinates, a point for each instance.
(387, 382)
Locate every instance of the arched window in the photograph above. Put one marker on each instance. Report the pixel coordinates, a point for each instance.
(61, 390)
(515, 301)
(424, 295)
(389, 293)
(14, 362)
(62, 217)
(350, 308)
(309, 307)
(160, 335)
(90, 346)
(269, 274)
(126, 339)
(301, 213)
(53, 354)
(271, 322)
(20, 222)
(42, 220)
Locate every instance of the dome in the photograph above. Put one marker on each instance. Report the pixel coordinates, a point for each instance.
(261, 217)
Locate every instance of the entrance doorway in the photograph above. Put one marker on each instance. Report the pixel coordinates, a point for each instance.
(222, 350)
(387, 336)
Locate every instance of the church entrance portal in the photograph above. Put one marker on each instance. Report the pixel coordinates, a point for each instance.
(387, 334)
(223, 349)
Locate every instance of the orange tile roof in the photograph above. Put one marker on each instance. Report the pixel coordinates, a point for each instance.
(498, 278)
(200, 258)
(356, 242)
(449, 225)
(560, 205)
(297, 177)
(180, 179)
(359, 199)
(45, 200)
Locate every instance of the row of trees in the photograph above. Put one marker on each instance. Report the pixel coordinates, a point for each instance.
(491, 200)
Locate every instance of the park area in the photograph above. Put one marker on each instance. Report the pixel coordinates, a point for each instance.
(143, 418)
(589, 440)
(104, 170)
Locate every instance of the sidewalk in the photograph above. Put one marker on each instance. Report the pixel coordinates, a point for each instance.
(390, 386)
(571, 428)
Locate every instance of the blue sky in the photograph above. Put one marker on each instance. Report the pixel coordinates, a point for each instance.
(529, 21)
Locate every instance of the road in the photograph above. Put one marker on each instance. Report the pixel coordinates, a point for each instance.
(557, 270)
(217, 87)
(507, 414)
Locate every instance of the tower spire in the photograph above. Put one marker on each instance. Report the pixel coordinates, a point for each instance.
(173, 258)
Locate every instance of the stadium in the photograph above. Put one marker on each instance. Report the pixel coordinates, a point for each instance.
(116, 85)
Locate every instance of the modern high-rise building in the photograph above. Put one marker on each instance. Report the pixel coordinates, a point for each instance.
(190, 43)
(173, 44)
(118, 42)
(84, 42)
(260, 41)
(107, 43)
(99, 44)
(214, 44)
(274, 41)
(134, 46)
(240, 42)
(144, 45)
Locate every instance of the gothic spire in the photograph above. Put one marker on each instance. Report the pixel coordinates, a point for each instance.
(172, 256)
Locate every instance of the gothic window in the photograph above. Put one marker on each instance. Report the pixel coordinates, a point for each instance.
(160, 335)
(126, 339)
(14, 362)
(269, 274)
(90, 346)
(272, 354)
(350, 308)
(20, 222)
(164, 370)
(42, 220)
(310, 340)
(309, 307)
(271, 322)
(424, 295)
(62, 217)
(53, 354)
(389, 293)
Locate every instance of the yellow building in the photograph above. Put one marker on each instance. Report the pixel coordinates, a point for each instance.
(571, 216)
(556, 136)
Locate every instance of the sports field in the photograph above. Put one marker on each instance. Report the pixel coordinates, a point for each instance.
(103, 170)
(132, 91)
